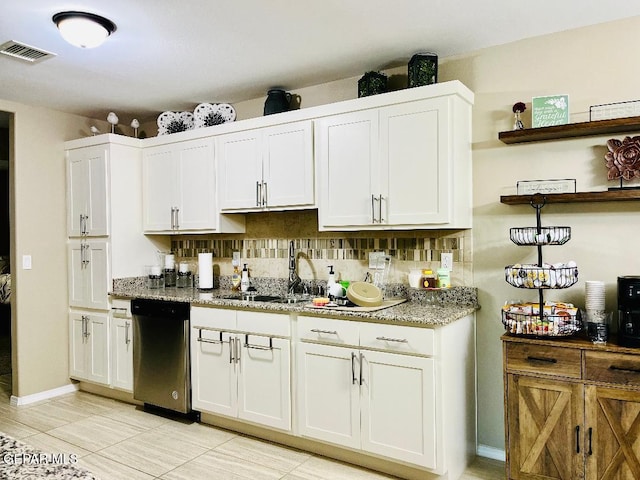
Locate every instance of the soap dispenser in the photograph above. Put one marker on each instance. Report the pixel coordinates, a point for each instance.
(244, 282)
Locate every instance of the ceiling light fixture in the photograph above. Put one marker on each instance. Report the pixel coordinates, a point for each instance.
(84, 30)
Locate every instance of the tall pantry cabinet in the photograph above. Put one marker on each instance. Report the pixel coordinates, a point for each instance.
(104, 224)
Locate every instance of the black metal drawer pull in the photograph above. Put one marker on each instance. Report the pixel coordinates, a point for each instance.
(620, 369)
(590, 452)
(540, 359)
(578, 439)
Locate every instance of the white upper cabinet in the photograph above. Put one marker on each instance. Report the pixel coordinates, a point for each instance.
(267, 168)
(179, 190)
(406, 165)
(87, 181)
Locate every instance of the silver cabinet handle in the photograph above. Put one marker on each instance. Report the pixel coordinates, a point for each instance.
(380, 219)
(361, 366)
(238, 352)
(173, 218)
(87, 256)
(84, 328)
(258, 193)
(231, 350)
(177, 227)
(354, 380)
(127, 340)
(388, 339)
(264, 194)
(373, 208)
(328, 332)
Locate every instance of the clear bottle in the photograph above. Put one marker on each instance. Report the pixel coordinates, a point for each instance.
(169, 270)
(236, 277)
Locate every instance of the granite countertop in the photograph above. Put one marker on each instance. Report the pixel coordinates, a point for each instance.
(416, 311)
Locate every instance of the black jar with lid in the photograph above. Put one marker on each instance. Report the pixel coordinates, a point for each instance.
(277, 101)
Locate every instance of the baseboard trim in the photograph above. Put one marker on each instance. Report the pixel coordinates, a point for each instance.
(40, 396)
(491, 452)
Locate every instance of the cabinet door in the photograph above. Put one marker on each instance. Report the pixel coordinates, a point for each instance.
(240, 163)
(98, 347)
(197, 187)
(97, 275)
(159, 188)
(264, 386)
(328, 394)
(398, 407)
(612, 438)
(347, 155)
(88, 271)
(415, 163)
(87, 210)
(288, 165)
(545, 421)
(122, 353)
(77, 346)
(213, 372)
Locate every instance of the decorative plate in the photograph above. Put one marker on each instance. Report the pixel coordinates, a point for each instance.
(208, 114)
(173, 122)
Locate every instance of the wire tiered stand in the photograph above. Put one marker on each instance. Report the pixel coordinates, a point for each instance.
(551, 319)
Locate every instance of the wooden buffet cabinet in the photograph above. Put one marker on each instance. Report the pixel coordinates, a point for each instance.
(572, 409)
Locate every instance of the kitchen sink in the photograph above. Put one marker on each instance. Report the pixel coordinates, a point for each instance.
(265, 298)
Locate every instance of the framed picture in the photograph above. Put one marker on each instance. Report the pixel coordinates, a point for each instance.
(549, 110)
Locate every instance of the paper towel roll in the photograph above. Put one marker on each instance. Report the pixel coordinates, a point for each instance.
(205, 270)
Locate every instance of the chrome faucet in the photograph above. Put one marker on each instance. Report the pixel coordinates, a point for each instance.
(294, 279)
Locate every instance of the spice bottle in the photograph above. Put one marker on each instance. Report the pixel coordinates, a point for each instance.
(428, 279)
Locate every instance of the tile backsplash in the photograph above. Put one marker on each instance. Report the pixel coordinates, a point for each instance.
(265, 248)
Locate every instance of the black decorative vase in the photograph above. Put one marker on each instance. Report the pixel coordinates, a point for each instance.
(423, 69)
(277, 101)
(372, 83)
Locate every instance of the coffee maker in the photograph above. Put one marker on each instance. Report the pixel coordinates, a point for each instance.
(629, 311)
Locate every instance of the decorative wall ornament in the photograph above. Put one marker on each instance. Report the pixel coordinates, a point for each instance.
(623, 158)
(518, 108)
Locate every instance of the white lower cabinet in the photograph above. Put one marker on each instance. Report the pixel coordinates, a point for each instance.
(89, 346)
(380, 402)
(121, 345)
(241, 372)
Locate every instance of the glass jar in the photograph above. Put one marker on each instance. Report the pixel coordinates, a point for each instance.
(428, 279)
(415, 278)
(155, 276)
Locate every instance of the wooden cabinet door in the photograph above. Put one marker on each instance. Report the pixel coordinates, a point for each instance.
(87, 209)
(545, 425)
(240, 165)
(612, 436)
(415, 163)
(77, 348)
(213, 372)
(122, 353)
(288, 165)
(347, 151)
(197, 187)
(328, 394)
(264, 386)
(159, 188)
(399, 407)
(98, 346)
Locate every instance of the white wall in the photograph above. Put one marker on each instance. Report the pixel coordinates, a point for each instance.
(38, 228)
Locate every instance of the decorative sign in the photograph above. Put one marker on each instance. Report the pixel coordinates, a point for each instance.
(550, 110)
(531, 187)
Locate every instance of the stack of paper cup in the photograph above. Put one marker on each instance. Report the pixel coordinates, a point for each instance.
(594, 295)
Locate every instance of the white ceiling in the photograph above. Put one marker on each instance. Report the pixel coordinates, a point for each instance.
(170, 55)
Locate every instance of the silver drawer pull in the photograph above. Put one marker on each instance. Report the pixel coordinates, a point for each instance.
(388, 339)
(257, 347)
(207, 340)
(328, 332)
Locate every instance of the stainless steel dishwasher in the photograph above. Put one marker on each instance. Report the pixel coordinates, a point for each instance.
(161, 354)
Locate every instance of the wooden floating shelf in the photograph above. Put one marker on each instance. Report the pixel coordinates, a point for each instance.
(608, 196)
(571, 130)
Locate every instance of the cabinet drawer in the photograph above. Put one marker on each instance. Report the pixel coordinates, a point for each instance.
(218, 318)
(277, 324)
(620, 368)
(544, 360)
(396, 338)
(328, 330)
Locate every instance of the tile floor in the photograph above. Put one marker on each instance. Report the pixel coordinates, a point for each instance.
(117, 441)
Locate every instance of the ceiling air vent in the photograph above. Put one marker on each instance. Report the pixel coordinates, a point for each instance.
(24, 52)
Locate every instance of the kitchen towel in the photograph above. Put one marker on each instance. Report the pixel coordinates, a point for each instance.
(205, 271)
